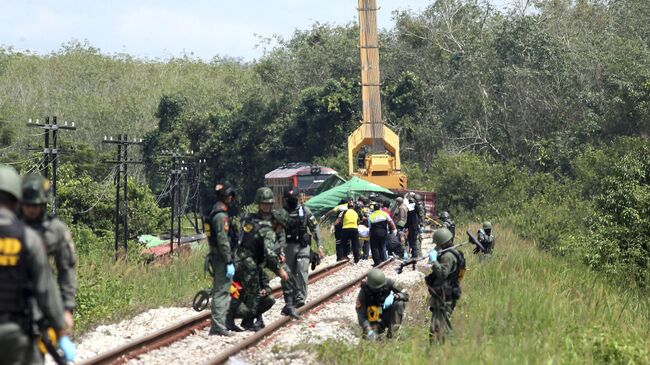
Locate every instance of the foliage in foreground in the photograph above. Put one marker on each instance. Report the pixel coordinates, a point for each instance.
(522, 307)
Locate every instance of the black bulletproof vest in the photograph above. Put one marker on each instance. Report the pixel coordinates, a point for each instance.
(249, 240)
(14, 277)
(376, 296)
(296, 227)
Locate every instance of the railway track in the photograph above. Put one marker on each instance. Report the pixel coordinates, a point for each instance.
(180, 330)
(251, 341)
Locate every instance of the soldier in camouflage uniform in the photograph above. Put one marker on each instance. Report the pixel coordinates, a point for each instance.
(255, 252)
(26, 283)
(446, 221)
(301, 226)
(56, 236)
(380, 305)
(486, 239)
(443, 283)
(221, 258)
(239, 310)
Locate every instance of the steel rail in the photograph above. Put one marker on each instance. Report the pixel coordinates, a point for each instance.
(269, 329)
(182, 329)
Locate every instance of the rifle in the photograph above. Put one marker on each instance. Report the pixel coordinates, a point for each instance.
(474, 241)
(413, 261)
(46, 337)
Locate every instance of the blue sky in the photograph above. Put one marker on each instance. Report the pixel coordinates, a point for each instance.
(166, 28)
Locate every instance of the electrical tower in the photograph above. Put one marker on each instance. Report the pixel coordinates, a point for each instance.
(50, 152)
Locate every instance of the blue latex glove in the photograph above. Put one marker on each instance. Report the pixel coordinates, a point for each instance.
(230, 271)
(68, 348)
(421, 229)
(406, 255)
(371, 335)
(389, 300)
(433, 256)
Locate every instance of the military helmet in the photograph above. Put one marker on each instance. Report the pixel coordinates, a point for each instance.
(10, 182)
(291, 199)
(418, 197)
(444, 215)
(376, 279)
(223, 191)
(487, 225)
(264, 195)
(442, 236)
(36, 189)
(281, 216)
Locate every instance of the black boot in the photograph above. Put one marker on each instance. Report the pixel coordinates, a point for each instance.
(248, 324)
(230, 323)
(259, 322)
(289, 309)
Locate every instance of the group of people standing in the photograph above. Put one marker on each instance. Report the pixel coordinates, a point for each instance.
(35, 310)
(275, 239)
(376, 228)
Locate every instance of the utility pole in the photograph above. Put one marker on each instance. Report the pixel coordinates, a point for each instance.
(197, 200)
(50, 153)
(178, 166)
(122, 186)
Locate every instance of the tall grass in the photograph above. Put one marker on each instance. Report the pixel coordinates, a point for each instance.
(522, 307)
(110, 291)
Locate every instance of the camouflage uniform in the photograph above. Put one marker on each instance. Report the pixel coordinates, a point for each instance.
(265, 302)
(255, 252)
(486, 238)
(443, 287)
(369, 306)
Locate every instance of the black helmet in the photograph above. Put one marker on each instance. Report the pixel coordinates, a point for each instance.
(223, 191)
(291, 199)
(36, 189)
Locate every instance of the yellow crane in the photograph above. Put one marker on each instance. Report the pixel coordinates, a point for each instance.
(373, 145)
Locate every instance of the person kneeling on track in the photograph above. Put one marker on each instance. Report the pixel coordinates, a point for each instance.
(380, 305)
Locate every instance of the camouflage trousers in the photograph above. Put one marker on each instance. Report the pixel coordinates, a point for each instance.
(440, 319)
(249, 302)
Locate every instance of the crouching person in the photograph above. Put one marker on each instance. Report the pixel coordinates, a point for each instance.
(240, 310)
(380, 305)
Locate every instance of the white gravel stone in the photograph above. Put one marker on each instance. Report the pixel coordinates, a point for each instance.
(106, 337)
(201, 347)
(336, 320)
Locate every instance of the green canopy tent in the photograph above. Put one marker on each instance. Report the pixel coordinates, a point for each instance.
(352, 189)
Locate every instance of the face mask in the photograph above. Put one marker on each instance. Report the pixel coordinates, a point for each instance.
(292, 203)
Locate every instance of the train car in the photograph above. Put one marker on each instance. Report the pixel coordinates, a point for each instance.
(302, 177)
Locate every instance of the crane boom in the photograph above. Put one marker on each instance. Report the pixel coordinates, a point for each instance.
(370, 76)
(382, 165)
